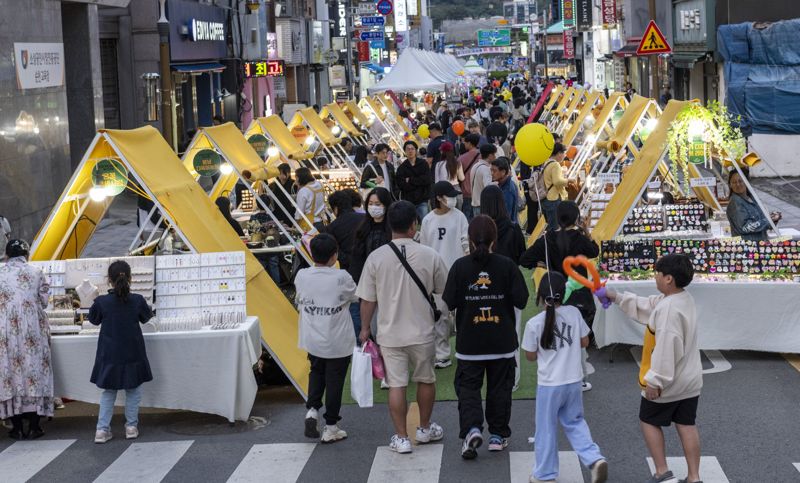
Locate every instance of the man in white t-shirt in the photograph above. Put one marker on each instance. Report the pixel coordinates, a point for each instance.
(445, 230)
(481, 175)
(405, 320)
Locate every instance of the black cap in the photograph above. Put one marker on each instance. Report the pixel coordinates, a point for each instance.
(444, 188)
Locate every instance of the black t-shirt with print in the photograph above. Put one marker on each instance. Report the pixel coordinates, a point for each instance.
(484, 296)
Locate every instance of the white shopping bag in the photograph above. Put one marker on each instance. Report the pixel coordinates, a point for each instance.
(361, 378)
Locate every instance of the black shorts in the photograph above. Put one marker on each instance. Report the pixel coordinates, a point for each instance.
(663, 414)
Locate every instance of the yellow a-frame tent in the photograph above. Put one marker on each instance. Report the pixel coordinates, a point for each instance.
(149, 161)
(334, 112)
(394, 114)
(556, 112)
(279, 135)
(387, 130)
(555, 95)
(359, 118)
(330, 144)
(575, 125)
(561, 120)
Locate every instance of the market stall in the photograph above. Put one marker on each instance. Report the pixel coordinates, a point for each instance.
(113, 160)
(334, 112)
(322, 138)
(560, 121)
(579, 122)
(392, 134)
(279, 137)
(555, 95)
(393, 115)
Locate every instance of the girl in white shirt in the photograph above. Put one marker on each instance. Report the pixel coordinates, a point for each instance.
(449, 169)
(445, 230)
(554, 339)
(310, 200)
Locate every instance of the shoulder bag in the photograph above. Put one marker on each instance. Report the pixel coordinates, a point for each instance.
(437, 314)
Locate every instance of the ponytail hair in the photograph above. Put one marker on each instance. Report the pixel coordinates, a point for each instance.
(550, 293)
(119, 276)
(482, 237)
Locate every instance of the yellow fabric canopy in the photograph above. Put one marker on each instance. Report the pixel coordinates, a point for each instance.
(573, 105)
(554, 95)
(562, 104)
(606, 112)
(316, 124)
(274, 128)
(145, 153)
(643, 166)
(352, 107)
(392, 108)
(374, 106)
(341, 118)
(585, 111)
(627, 124)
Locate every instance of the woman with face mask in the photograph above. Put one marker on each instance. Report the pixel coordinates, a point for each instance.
(373, 232)
(445, 230)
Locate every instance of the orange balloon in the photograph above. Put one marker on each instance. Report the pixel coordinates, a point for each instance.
(572, 152)
(569, 268)
(458, 128)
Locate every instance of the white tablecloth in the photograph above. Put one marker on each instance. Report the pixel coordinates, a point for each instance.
(759, 316)
(208, 371)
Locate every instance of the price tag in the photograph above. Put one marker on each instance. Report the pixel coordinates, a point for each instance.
(605, 178)
(654, 185)
(703, 182)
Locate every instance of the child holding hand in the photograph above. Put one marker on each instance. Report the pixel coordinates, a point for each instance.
(671, 372)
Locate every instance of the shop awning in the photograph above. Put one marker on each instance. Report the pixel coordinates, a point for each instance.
(195, 68)
(686, 60)
(629, 50)
(375, 68)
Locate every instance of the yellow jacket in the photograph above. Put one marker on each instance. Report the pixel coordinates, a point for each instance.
(554, 181)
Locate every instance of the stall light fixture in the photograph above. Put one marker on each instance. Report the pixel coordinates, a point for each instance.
(591, 138)
(310, 140)
(98, 193)
(696, 128)
(336, 130)
(651, 124)
(385, 110)
(654, 195)
(421, 109)
(272, 151)
(226, 168)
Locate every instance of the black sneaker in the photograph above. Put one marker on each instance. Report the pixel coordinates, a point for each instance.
(312, 423)
(667, 476)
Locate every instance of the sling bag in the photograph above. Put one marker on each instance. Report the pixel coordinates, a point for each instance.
(437, 314)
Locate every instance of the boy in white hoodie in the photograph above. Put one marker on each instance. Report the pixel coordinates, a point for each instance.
(445, 230)
(671, 374)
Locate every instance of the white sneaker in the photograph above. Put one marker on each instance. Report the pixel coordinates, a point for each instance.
(332, 434)
(383, 384)
(131, 432)
(599, 471)
(586, 386)
(433, 433)
(442, 363)
(101, 436)
(400, 445)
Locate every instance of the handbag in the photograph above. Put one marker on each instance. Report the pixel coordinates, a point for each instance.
(437, 314)
(371, 348)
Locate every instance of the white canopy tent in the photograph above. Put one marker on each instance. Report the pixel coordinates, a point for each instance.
(473, 68)
(417, 70)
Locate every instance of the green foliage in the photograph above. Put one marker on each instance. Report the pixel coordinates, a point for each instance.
(720, 132)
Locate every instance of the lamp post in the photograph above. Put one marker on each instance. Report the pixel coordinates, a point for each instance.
(166, 76)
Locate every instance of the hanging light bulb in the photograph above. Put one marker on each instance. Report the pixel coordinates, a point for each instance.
(98, 193)
(226, 168)
(310, 140)
(272, 151)
(336, 130)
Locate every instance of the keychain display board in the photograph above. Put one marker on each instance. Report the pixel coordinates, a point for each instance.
(187, 208)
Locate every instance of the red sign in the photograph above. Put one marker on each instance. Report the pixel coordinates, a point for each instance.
(569, 45)
(568, 13)
(385, 7)
(653, 41)
(609, 9)
(363, 51)
(264, 68)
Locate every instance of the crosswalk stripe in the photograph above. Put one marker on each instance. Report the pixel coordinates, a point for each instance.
(522, 462)
(273, 463)
(421, 466)
(145, 462)
(23, 459)
(797, 465)
(710, 470)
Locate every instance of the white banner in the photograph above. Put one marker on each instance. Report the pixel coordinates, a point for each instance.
(605, 178)
(703, 182)
(413, 7)
(400, 17)
(39, 65)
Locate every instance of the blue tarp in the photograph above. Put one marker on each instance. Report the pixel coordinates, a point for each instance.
(762, 74)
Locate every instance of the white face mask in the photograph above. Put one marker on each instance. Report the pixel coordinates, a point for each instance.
(375, 211)
(451, 202)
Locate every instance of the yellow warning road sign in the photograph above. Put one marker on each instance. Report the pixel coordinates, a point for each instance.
(653, 41)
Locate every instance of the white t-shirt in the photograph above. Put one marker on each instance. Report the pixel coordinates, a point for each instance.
(441, 174)
(311, 202)
(562, 365)
(323, 298)
(481, 177)
(447, 234)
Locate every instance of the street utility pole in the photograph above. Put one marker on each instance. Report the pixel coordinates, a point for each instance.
(166, 77)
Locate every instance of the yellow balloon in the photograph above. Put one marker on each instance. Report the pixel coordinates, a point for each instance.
(477, 92)
(534, 144)
(424, 131)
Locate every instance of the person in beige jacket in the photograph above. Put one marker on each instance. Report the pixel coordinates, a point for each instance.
(671, 372)
(555, 184)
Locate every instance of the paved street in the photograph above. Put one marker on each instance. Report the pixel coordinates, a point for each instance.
(749, 421)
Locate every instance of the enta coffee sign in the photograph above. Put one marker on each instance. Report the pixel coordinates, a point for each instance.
(39, 65)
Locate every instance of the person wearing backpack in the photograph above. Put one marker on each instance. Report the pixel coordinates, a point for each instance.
(555, 185)
(533, 189)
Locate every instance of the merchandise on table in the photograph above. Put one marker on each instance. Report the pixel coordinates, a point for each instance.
(339, 179)
(624, 256)
(644, 219)
(691, 217)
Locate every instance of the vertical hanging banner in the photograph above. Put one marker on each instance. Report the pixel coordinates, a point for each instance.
(583, 15)
(363, 51)
(609, 9)
(569, 45)
(400, 16)
(568, 13)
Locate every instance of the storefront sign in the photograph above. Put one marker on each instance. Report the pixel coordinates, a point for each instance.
(366, 8)
(272, 45)
(196, 31)
(279, 83)
(609, 10)
(583, 14)
(337, 75)
(494, 37)
(363, 51)
(342, 96)
(690, 24)
(569, 44)
(259, 142)
(111, 175)
(264, 68)
(400, 16)
(39, 65)
(709, 182)
(568, 13)
(207, 162)
(337, 11)
(697, 151)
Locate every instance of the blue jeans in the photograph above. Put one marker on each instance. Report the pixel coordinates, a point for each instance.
(466, 208)
(422, 210)
(549, 211)
(272, 266)
(562, 404)
(355, 314)
(132, 399)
